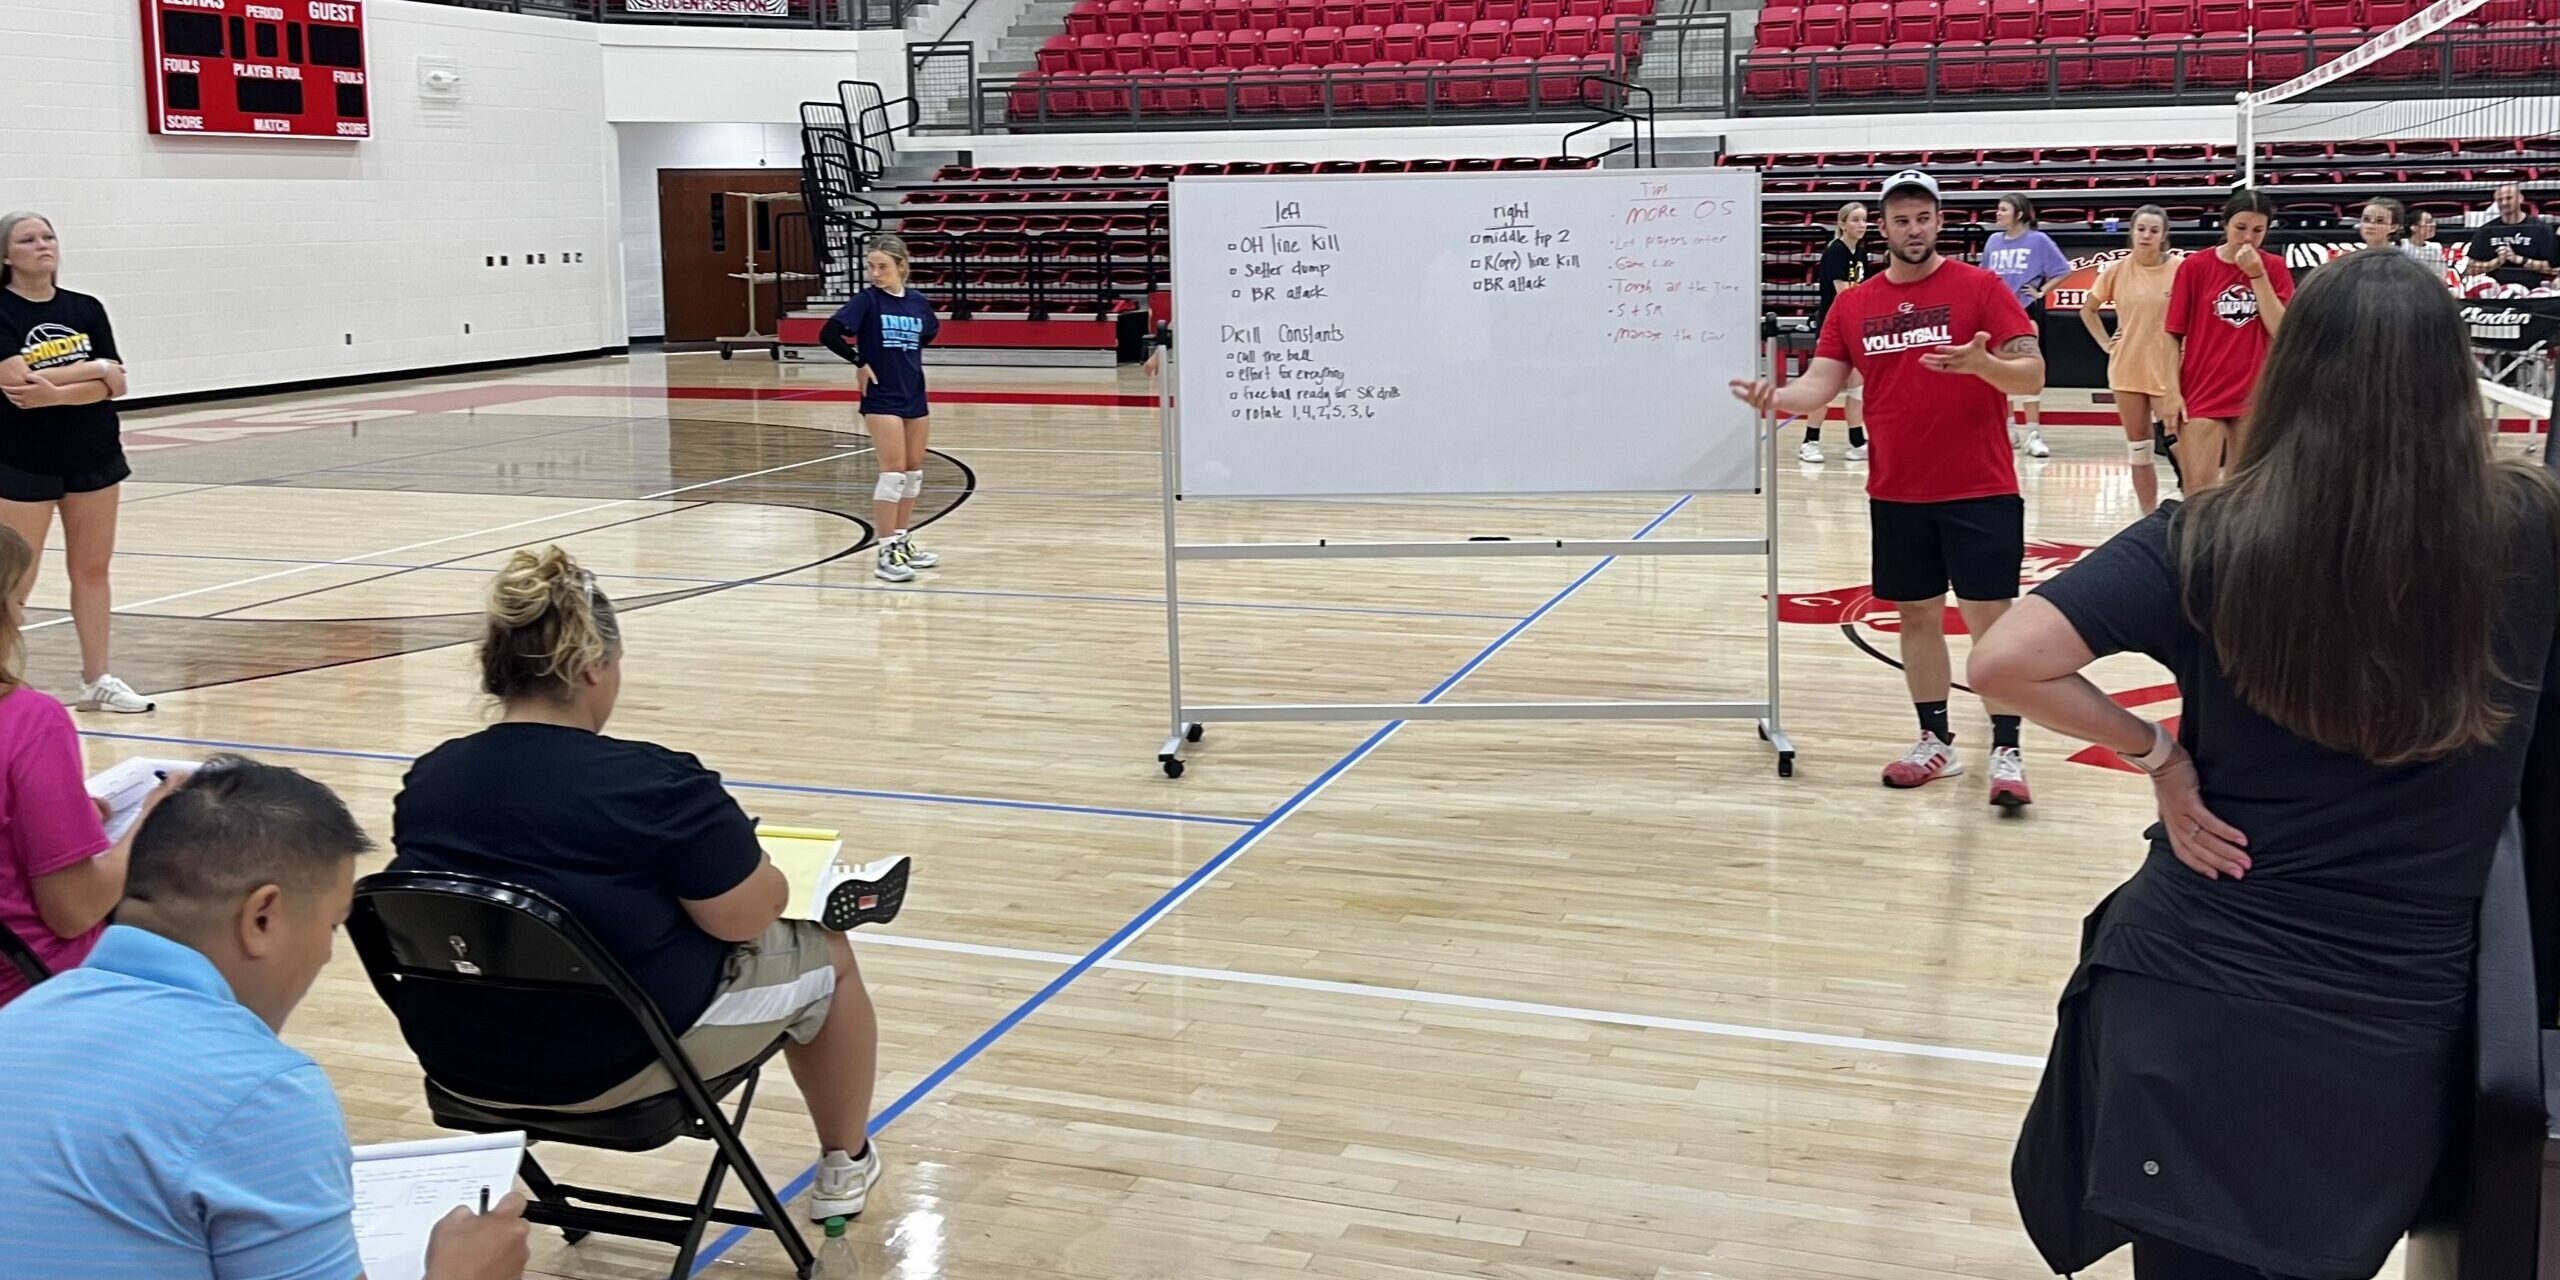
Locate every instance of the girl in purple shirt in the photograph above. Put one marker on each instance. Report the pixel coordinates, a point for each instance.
(2028, 261)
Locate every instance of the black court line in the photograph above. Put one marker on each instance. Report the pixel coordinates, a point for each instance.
(471, 555)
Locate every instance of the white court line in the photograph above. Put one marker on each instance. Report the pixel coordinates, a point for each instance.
(1483, 1004)
(343, 561)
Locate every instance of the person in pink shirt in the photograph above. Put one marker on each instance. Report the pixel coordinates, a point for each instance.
(59, 874)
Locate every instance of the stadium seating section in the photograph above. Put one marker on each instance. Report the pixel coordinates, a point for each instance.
(2319, 189)
(1189, 57)
(1964, 47)
(1066, 240)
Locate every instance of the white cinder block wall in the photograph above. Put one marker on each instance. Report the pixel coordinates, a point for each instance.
(236, 262)
(648, 148)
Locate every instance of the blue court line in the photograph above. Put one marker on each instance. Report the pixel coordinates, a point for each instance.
(1153, 602)
(740, 784)
(1173, 897)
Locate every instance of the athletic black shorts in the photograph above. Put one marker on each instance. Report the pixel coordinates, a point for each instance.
(39, 486)
(1977, 545)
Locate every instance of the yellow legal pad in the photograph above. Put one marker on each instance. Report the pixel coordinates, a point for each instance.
(804, 854)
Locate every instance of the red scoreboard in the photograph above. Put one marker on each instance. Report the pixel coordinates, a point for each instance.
(257, 68)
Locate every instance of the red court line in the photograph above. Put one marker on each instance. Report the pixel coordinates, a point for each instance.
(847, 395)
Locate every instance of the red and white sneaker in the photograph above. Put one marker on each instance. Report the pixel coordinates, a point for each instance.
(2009, 779)
(1928, 760)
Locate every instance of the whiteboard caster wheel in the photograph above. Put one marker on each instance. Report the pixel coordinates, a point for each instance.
(725, 351)
(1173, 768)
(1193, 733)
(1787, 764)
(1763, 731)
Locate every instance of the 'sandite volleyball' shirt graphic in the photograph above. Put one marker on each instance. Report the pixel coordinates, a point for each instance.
(2237, 305)
(1908, 328)
(51, 346)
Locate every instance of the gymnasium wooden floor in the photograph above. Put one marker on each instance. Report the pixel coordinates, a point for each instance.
(1523, 1000)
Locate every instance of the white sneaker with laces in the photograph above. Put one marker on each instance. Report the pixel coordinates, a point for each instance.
(844, 1183)
(107, 693)
(916, 557)
(2035, 444)
(891, 567)
(1928, 760)
(1856, 453)
(1809, 451)
(2016, 437)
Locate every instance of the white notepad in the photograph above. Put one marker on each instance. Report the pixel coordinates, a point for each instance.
(404, 1188)
(125, 784)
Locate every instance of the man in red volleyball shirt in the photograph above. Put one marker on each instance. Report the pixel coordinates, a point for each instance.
(1942, 345)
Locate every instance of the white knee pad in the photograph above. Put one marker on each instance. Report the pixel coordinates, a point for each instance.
(2138, 452)
(915, 484)
(892, 486)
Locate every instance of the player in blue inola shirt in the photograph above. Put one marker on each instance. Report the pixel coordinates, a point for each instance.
(883, 331)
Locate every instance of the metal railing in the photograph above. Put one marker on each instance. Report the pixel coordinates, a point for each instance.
(1642, 149)
(1688, 61)
(1552, 89)
(942, 77)
(838, 15)
(2003, 75)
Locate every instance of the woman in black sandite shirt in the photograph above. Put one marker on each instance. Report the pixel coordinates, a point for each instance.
(2260, 1058)
(60, 444)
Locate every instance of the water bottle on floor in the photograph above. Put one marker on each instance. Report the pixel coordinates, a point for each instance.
(835, 1254)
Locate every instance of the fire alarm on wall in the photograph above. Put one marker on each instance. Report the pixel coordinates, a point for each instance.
(439, 78)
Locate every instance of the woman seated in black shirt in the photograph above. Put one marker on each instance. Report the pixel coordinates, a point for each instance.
(647, 850)
(2258, 1059)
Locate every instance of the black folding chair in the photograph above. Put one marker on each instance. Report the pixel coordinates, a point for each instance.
(2482, 1219)
(429, 927)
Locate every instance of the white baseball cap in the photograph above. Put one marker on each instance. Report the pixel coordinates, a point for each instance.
(1909, 178)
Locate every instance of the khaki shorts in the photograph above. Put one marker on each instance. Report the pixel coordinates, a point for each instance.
(780, 984)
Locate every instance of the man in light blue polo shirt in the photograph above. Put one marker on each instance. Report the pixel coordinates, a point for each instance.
(156, 1125)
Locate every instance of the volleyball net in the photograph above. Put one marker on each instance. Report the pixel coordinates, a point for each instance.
(2438, 112)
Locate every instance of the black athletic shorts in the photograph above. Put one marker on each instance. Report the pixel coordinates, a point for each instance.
(38, 486)
(1978, 545)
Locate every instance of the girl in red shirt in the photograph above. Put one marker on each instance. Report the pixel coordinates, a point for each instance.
(2224, 309)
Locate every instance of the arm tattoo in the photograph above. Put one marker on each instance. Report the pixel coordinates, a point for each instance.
(2025, 344)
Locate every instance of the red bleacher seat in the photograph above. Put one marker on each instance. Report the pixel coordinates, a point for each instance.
(2117, 18)
(2168, 18)
(1360, 43)
(1401, 42)
(1824, 25)
(1906, 68)
(1781, 25)
(2214, 17)
(1870, 22)
(1155, 16)
(2014, 19)
(1915, 20)
(2275, 17)
(1320, 45)
(2220, 59)
(1337, 13)
(1577, 35)
(1859, 70)
(1242, 51)
(2017, 65)
(1961, 66)
(2066, 19)
(1964, 21)
(1532, 37)
(1485, 38)
(1773, 74)
(2282, 55)
(1262, 15)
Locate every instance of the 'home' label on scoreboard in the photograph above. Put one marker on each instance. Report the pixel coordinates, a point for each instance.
(253, 68)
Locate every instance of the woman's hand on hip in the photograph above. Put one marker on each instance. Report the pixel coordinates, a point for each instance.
(2204, 842)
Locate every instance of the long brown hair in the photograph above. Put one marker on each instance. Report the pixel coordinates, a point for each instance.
(2353, 561)
(547, 625)
(17, 560)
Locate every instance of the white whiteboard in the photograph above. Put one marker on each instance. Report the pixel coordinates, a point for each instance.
(1509, 333)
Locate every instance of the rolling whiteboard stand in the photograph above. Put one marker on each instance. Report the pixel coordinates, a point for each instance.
(1391, 336)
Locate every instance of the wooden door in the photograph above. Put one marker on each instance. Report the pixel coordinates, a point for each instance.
(703, 236)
